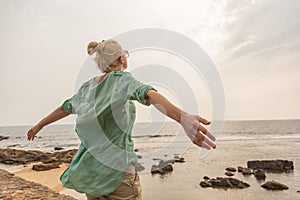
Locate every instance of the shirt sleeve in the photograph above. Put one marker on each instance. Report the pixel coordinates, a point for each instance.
(67, 106)
(138, 90)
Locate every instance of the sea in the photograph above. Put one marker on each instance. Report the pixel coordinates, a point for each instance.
(150, 133)
(237, 143)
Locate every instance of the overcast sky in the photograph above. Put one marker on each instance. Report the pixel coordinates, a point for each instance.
(255, 45)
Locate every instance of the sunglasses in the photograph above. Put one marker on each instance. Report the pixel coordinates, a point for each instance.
(126, 53)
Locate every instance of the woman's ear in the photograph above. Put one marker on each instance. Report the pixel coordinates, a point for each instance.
(121, 60)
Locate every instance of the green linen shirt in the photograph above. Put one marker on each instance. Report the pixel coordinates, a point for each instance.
(105, 117)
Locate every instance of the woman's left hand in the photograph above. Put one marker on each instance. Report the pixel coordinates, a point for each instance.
(33, 131)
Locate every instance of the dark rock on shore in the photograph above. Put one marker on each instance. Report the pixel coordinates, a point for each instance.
(162, 168)
(139, 167)
(278, 166)
(21, 157)
(3, 137)
(58, 148)
(229, 174)
(246, 171)
(13, 187)
(206, 178)
(274, 185)
(231, 169)
(221, 182)
(240, 169)
(260, 174)
(44, 167)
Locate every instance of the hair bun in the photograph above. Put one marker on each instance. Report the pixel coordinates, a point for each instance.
(99, 47)
(94, 46)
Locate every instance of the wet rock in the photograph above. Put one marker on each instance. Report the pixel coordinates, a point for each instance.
(3, 137)
(180, 160)
(229, 174)
(278, 166)
(231, 169)
(274, 185)
(21, 157)
(136, 150)
(58, 148)
(13, 145)
(240, 169)
(221, 182)
(205, 184)
(44, 167)
(246, 171)
(260, 174)
(206, 178)
(162, 168)
(139, 167)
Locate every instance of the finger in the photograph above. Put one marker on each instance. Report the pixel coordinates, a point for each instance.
(28, 134)
(206, 132)
(202, 120)
(200, 143)
(210, 136)
(202, 129)
(202, 137)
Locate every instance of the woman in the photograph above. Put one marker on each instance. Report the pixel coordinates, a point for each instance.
(103, 167)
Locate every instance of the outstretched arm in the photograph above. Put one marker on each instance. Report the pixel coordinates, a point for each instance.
(57, 114)
(192, 124)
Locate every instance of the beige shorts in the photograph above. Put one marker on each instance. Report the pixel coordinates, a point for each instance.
(129, 189)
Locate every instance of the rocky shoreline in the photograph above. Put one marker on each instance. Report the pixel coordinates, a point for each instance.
(258, 168)
(16, 188)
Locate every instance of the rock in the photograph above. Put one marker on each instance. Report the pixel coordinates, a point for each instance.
(229, 174)
(259, 174)
(240, 169)
(225, 183)
(44, 167)
(246, 171)
(13, 145)
(205, 184)
(231, 169)
(274, 185)
(3, 137)
(139, 167)
(298, 191)
(136, 150)
(156, 159)
(21, 157)
(156, 170)
(180, 160)
(278, 166)
(14, 187)
(241, 186)
(58, 148)
(221, 182)
(139, 156)
(206, 178)
(162, 168)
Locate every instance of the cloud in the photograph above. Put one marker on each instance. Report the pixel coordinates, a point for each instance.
(260, 28)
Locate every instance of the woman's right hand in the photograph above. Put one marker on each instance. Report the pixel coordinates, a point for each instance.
(33, 131)
(193, 126)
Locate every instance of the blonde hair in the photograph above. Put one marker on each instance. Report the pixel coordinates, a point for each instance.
(107, 54)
